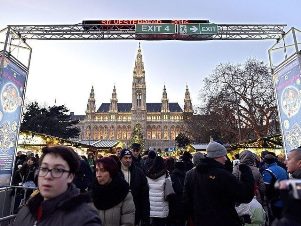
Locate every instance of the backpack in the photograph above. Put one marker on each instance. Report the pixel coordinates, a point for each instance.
(272, 193)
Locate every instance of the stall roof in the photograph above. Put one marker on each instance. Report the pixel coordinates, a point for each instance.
(199, 146)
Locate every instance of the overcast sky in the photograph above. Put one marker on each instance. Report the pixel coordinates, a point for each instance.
(65, 70)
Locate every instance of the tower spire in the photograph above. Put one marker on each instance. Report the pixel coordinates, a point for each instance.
(187, 101)
(139, 65)
(114, 100)
(164, 105)
(90, 112)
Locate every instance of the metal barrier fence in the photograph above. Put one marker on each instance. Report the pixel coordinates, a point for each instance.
(10, 200)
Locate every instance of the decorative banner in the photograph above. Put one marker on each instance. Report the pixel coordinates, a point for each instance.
(13, 77)
(287, 84)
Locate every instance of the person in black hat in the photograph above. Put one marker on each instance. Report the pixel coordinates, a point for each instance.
(138, 186)
(136, 151)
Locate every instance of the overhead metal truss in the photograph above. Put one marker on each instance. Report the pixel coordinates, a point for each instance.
(120, 32)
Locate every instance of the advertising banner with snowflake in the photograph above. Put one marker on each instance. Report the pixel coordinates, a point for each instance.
(287, 84)
(12, 84)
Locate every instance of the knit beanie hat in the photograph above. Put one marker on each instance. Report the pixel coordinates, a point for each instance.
(197, 158)
(125, 152)
(215, 150)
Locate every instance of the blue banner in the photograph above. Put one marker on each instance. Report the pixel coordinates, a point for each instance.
(12, 85)
(287, 83)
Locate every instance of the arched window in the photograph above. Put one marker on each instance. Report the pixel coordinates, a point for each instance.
(112, 133)
(172, 133)
(165, 133)
(124, 132)
(106, 133)
(158, 132)
(95, 133)
(101, 132)
(139, 99)
(88, 133)
(154, 133)
(119, 133)
(178, 130)
(149, 132)
(129, 131)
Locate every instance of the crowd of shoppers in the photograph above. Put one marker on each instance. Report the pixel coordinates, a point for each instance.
(131, 189)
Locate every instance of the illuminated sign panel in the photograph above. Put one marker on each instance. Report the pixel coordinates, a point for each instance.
(155, 28)
(190, 29)
(287, 84)
(130, 24)
(133, 22)
(13, 81)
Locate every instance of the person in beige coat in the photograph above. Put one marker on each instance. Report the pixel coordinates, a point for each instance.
(111, 195)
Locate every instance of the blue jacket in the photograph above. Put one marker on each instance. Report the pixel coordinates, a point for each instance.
(272, 174)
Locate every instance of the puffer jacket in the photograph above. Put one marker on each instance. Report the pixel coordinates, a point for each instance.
(69, 208)
(158, 206)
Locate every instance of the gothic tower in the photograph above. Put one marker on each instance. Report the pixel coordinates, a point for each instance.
(139, 94)
(188, 111)
(90, 112)
(114, 100)
(164, 100)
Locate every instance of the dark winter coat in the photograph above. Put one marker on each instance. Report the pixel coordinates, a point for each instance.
(69, 208)
(137, 161)
(210, 193)
(147, 163)
(140, 191)
(28, 172)
(176, 207)
(84, 177)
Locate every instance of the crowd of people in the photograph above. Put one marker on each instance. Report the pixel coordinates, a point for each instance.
(132, 188)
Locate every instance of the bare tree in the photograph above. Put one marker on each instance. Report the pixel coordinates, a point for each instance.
(240, 100)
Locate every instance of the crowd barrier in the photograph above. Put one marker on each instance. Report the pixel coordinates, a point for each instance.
(11, 198)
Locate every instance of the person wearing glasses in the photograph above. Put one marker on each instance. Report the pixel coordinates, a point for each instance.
(58, 202)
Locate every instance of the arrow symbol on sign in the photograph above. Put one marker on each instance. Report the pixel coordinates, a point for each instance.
(194, 28)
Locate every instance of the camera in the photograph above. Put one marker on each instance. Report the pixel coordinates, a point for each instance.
(293, 186)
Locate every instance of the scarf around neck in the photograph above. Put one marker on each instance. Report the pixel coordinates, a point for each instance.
(109, 195)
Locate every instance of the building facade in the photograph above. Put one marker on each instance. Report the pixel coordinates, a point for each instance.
(160, 123)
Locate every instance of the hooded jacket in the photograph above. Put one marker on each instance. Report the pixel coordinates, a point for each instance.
(210, 193)
(69, 208)
(248, 158)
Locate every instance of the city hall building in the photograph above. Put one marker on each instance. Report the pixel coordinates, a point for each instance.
(160, 122)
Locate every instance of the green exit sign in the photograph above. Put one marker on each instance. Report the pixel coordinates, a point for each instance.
(191, 29)
(155, 29)
(208, 29)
